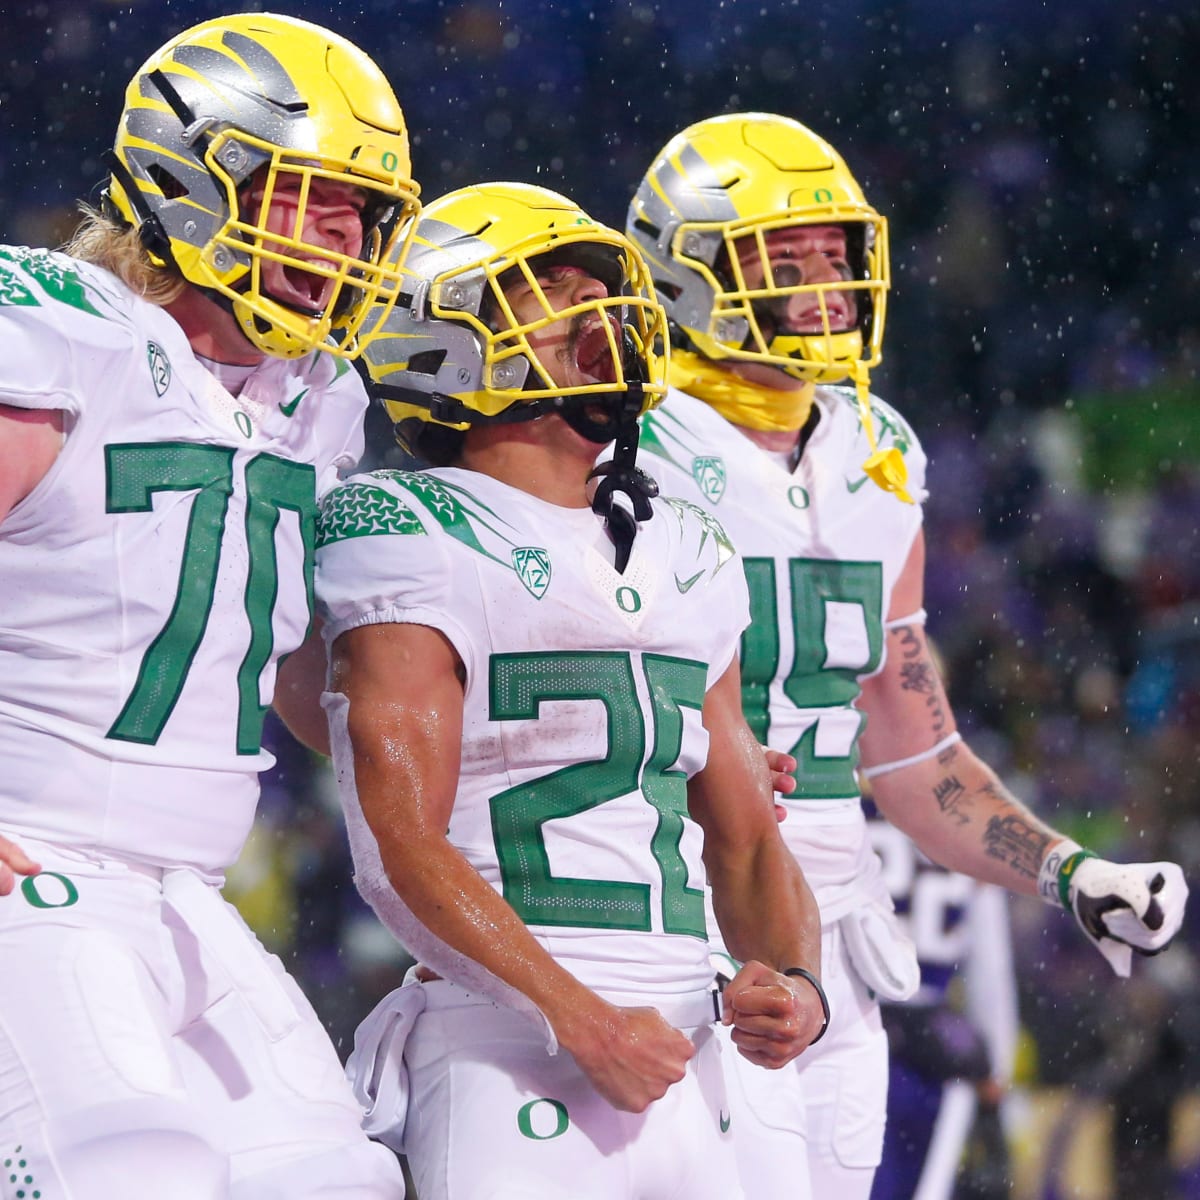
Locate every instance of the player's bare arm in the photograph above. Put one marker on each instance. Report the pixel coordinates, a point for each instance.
(766, 911)
(405, 744)
(930, 784)
(298, 688)
(944, 797)
(30, 440)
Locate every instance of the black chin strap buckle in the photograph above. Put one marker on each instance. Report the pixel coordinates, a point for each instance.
(630, 480)
(621, 474)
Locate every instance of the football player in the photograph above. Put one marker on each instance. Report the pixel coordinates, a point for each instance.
(174, 392)
(773, 269)
(537, 729)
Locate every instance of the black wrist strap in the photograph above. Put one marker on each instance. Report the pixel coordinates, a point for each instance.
(804, 973)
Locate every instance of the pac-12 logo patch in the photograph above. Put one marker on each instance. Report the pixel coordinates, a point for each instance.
(160, 367)
(709, 474)
(532, 565)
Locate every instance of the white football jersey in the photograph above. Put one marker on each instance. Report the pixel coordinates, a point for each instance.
(582, 710)
(153, 578)
(822, 548)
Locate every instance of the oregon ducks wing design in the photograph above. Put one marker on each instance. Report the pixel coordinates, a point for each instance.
(413, 503)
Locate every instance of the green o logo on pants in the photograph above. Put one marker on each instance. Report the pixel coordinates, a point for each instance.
(41, 893)
(549, 1116)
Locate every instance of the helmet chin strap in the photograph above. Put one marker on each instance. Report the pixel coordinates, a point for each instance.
(620, 473)
(885, 468)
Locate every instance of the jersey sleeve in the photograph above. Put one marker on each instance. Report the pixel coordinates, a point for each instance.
(382, 559)
(58, 330)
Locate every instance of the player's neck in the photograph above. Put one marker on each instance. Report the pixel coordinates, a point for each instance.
(790, 442)
(775, 441)
(543, 462)
(211, 331)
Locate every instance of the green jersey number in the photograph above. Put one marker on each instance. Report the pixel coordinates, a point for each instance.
(519, 685)
(812, 682)
(134, 473)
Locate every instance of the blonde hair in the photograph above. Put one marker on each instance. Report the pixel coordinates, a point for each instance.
(117, 248)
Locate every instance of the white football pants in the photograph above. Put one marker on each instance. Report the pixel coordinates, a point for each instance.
(149, 1046)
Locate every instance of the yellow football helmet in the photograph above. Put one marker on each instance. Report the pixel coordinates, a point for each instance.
(703, 212)
(287, 103)
(453, 353)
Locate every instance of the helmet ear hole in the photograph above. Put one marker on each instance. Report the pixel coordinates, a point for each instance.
(166, 183)
(427, 362)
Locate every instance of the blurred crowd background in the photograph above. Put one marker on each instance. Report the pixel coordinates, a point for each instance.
(1038, 162)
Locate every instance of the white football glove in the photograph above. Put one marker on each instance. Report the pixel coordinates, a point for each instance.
(1121, 907)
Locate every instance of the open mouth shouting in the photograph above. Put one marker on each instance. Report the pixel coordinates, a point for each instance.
(593, 351)
(301, 288)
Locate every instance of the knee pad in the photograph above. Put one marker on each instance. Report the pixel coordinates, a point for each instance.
(362, 1170)
(151, 1147)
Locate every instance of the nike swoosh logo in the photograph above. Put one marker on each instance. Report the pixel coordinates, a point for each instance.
(685, 585)
(724, 1121)
(853, 485)
(290, 407)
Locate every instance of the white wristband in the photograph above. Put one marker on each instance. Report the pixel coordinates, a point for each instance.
(917, 618)
(912, 760)
(1047, 883)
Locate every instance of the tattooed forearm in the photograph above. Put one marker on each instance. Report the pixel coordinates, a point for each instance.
(951, 798)
(1013, 840)
(918, 674)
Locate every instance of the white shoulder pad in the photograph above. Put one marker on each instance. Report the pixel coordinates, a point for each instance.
(372, 535)
(62, 323)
